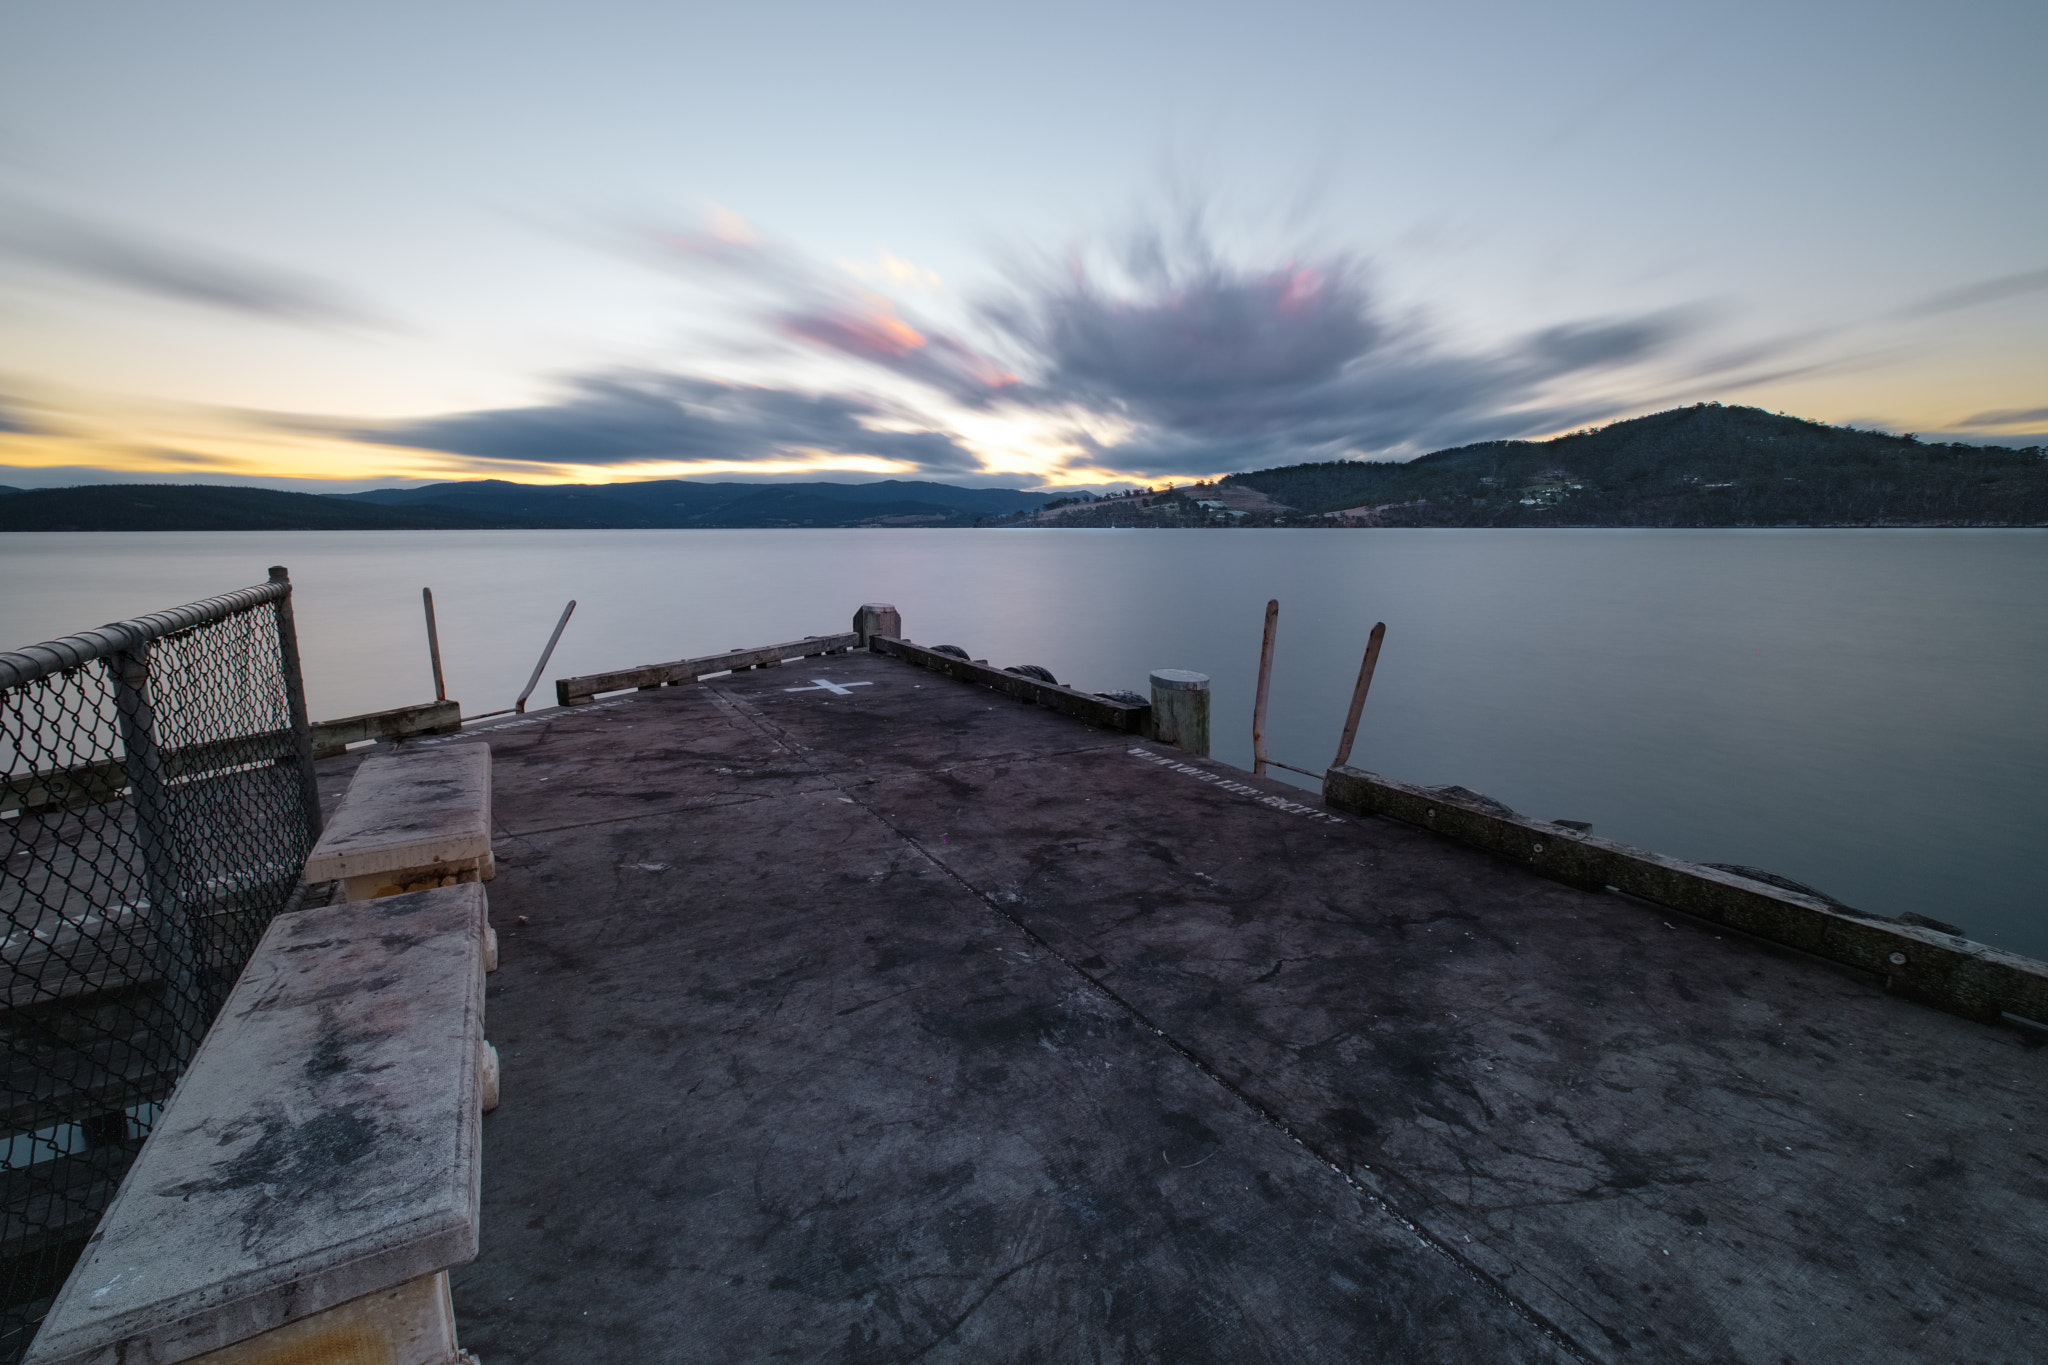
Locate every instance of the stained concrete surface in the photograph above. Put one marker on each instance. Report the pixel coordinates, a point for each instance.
(917, 1023)
(322, 1145)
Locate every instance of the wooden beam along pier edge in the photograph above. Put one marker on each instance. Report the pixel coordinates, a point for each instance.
(583, 690)
(1106, 712)
(1947, 971)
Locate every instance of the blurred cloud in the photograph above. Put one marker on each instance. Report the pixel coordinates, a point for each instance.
(64, 244)
(831, 309)
(633, 417)
(1973, 295)
(12, 421)
(2006, 417)
(1155, 355)
(1220, 366)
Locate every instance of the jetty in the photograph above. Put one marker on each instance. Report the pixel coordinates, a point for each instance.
(860, 1001)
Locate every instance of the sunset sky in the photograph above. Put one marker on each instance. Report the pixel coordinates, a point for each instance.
(330, 247)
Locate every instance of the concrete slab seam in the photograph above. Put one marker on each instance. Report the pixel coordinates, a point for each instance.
(1515, 1304)
(1555, 1332)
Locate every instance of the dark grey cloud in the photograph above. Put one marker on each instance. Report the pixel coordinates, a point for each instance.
(1974, 295)
(1220, 367)
(1210, 363)
(623, 418)
(141, 263)
(1214, 365)
(2006, 417)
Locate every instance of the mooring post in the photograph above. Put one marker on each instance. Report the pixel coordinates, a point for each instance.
(1265, 682)
(1180, 709)
(1372, 659)
(434, 645)
(877, 618)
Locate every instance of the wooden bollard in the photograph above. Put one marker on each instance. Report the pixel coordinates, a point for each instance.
(1180, 709)
(877, 618)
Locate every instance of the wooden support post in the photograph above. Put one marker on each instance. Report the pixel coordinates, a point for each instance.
(434, 645)
(1265, 684)
(1372, 659)
(877, 618)
(520, 706)
(1180, 709)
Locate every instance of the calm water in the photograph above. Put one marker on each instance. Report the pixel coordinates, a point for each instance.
(1861, 710)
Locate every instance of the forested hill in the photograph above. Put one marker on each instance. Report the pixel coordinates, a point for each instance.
(496, 504)
(1701, 466)
(199, 507)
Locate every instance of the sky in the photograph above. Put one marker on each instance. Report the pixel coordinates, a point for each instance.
(337, 247)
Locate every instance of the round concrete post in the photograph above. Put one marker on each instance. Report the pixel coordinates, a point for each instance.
(877, 618)
(1180, 709)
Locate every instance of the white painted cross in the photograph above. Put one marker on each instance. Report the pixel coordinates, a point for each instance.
(836, 689)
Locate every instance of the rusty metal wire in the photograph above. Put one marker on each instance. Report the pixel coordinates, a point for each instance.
(155, 811)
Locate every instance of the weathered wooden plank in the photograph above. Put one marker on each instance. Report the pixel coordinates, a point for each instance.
(102, 950)
(1945, 970)
(95, 784)
(91, 784)
(578, 691)
(331, 737)
(1129, 717)
(69, 1084)
(56, 1203)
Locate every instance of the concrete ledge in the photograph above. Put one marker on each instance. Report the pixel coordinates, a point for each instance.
(1130, 717)
(1944, 970)
(415, 813)
(323, 1146)
(579, 691)
(331, 737)
(413, 1324)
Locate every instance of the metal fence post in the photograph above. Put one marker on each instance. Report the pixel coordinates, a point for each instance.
(295, 695)
(169, 916)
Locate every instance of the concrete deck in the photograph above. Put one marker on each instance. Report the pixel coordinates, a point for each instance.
(908, 1022)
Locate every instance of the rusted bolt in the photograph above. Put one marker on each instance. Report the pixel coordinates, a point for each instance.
(1898, 959)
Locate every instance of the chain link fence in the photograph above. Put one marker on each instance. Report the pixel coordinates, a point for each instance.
(157, 807)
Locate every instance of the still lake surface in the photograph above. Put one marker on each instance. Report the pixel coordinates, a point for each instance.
(1860, 710)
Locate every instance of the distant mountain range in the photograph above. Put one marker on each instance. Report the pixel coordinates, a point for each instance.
(1700, 466)
(496, 504)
